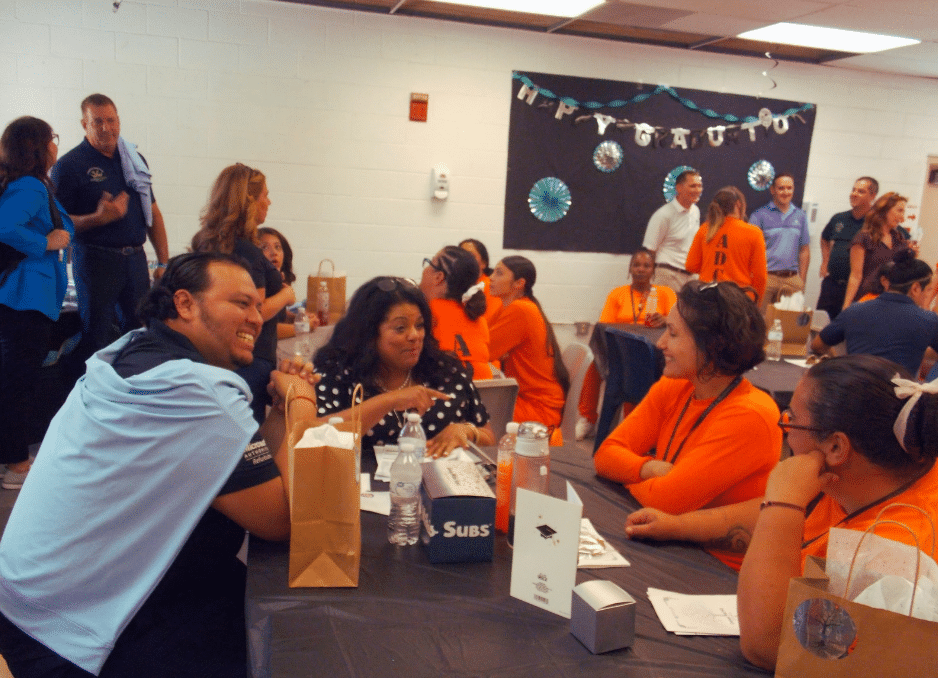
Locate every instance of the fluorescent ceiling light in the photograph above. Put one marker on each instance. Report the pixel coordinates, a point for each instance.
(826, 38)
(565, 8)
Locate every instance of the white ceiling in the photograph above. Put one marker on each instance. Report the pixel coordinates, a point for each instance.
(702, 24)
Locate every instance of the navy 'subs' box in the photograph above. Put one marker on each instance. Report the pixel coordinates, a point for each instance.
(458, 513)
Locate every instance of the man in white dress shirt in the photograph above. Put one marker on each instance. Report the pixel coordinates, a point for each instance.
(671, 231)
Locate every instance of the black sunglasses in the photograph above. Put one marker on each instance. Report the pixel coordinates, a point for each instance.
(784, 423)
(390, 283)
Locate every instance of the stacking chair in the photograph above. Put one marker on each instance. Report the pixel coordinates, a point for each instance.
(634, 365)
(498, 396)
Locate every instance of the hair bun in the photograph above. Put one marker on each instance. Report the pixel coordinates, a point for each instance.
(904, 255)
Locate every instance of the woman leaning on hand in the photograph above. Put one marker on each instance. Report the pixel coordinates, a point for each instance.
(32, 282)
(714, 435)
(862, 436)
(384, 343)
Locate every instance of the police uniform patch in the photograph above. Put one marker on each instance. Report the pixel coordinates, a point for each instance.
(96, 174)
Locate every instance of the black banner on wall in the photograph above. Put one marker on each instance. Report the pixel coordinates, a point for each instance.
(607, 191)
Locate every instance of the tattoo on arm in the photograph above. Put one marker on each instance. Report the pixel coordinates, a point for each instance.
(736, 540)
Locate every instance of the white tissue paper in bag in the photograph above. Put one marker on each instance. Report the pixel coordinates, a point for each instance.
(793, 303)
(880, 566)
(327, 436)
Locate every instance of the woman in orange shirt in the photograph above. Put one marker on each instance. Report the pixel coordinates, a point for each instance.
(522, 336)
(726, 247)
(481, 254)
(626, 304)
(458, 303)
(714, 435)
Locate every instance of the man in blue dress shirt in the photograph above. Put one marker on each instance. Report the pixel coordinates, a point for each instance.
(787, 241)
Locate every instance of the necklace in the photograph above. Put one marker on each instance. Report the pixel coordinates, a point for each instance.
(385, 389)
(641, 305)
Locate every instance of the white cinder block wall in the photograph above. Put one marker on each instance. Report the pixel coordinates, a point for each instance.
(318, 100)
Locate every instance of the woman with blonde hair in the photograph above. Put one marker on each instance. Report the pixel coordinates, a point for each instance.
(726, 247)
(877, 242)
(237, 205)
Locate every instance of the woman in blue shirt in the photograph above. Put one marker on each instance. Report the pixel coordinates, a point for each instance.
(32, 282)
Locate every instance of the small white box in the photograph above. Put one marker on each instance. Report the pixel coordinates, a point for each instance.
(602, 616)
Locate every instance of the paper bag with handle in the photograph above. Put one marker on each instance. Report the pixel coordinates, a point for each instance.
(827, 635)
(336, 287)
(325, 521)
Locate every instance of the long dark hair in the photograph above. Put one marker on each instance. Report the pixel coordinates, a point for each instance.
(521, 267)
(483, 253)
(854, 394)
(462, 272)
(287, 269)
(24, 150)
(726, 325)
(353, 345)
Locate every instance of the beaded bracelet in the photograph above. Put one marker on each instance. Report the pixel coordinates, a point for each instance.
(783, 504)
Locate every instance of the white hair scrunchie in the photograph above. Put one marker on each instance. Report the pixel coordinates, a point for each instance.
(912, 390)
(471, 292)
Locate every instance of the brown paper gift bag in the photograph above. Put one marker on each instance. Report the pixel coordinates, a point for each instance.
(323, 488)
(827, 636)
(336, 287)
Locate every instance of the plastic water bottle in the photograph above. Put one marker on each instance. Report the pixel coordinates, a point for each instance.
(774, 349)
(322, 303)
(413, 434)
(404, 519)
(506, 449)
(530, 466)
(301, 347)
(651, 305)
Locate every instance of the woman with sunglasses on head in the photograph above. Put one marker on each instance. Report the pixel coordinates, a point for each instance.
(457, 302)
(626, 304)
(714, 435)
(383, 343)
(237, 205)
(895, 325)
(877, 242)
(34, 229)
(863, 436)
(521, 336)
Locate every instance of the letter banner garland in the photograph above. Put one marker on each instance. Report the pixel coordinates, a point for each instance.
(585, 176)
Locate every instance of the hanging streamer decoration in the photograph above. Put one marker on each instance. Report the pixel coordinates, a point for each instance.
(549, 199)
(669, 189)
(608, 156)
(655, 136)
(765, 73)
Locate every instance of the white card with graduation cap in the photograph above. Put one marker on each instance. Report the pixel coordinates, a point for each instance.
(546, 541)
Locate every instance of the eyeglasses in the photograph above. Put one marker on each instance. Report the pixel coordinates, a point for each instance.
(784, 423)
(390, 283)
(435, 267)
(55, 139)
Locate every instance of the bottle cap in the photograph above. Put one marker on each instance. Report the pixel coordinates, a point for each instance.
(413, 417)
(512, 428)
(335, 420)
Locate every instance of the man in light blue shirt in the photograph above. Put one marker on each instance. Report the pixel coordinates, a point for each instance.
(787, 241)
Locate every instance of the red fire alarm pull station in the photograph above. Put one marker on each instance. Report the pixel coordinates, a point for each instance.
(418, 106)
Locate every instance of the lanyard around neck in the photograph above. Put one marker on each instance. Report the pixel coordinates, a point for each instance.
(703, 415)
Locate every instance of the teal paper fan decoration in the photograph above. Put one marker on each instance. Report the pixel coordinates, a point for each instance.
(549, 199)
(668, 188)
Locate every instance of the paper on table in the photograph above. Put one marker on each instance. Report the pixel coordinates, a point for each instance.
(374, 502)
(386, 455)
(686, 615)
(596, 552)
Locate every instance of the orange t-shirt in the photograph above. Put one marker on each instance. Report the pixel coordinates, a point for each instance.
(726, 460)
(625, 306)
(467, 339)
(736, 252)
(923, 493)
(519, 335)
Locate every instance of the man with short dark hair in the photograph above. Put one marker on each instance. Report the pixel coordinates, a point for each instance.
(119, 557)
(836, 239)
(671, 231)
(105, 186)
(787, 241)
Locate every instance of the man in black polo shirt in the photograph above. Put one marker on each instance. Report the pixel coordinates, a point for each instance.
(119, 557)
(835, 245)
(104, 185)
